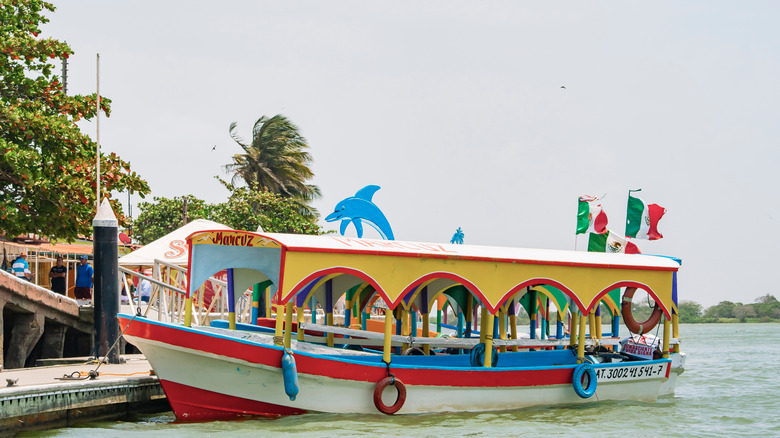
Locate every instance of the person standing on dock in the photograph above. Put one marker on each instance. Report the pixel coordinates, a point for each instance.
(84, 272)
(21, 268)
(57, 275)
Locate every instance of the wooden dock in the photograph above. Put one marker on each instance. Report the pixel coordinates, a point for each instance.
(43, 398)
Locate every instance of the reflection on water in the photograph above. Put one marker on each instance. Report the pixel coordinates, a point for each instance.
(731, 387)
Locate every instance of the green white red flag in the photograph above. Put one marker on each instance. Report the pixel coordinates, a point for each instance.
(642, 218)
(591, 217)
(611, 242)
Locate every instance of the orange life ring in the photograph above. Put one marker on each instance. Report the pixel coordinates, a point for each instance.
(399, 401)
(639, 328)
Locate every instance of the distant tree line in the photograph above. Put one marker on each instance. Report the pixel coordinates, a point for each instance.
(765, 309)
(245, 209)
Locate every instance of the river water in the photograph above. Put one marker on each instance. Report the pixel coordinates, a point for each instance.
(731, 387)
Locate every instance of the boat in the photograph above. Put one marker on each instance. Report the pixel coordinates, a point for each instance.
(229, 368)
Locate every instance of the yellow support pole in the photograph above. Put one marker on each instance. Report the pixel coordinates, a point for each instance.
(232, 320)
(329, 322)
(278, 334)
(501, 330)
(676, 332)
(488, 339)
(667, 332)
(188, 312)
(581, 343)
(426, 332)
(404, 327)
(388, 336)
(267, 302)
(592, 324)
(482, 327)
(513, 330)
(575, 321)
(288, 312)
(598, 326)
(299, 320)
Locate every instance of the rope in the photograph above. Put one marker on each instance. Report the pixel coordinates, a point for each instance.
(93, 374)
(389, 374)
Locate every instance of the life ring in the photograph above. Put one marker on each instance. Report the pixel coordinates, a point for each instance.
(399, 401)
(576, 380)
(628, 317)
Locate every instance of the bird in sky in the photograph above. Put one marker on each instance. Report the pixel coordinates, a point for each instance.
(214, 148)
(563, 86)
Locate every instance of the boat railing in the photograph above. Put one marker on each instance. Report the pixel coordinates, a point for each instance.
(167, 300)
(360, 337)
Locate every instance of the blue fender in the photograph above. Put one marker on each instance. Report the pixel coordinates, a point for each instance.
(576, 378)
(290, 373)
(477, 357)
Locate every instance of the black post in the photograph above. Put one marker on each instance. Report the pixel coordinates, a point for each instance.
(106, 297)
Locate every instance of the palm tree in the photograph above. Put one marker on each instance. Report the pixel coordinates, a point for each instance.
(276, 160)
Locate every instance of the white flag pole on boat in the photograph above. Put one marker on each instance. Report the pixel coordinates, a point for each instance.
(97, 135)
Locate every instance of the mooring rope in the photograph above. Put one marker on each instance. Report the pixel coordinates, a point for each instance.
(93, 374)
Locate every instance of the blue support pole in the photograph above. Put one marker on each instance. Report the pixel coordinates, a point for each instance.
(398, 324)
(329, 296)
(256, 294)
(329, 309)
(615, 329)
(532, 313)
(231, 293)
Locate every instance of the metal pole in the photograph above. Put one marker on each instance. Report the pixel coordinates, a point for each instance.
(97, 135)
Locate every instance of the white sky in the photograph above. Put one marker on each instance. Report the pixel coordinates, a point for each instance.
(456, 109)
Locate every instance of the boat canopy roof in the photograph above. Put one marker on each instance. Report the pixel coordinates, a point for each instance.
(410, 273)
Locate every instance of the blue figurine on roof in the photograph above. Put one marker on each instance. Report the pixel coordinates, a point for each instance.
(457, 238)
(358, 209)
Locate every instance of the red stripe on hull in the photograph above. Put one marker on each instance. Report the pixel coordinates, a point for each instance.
(189, 403)
(338, 369)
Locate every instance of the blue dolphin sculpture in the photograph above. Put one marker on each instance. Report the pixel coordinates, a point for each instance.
(359, 208)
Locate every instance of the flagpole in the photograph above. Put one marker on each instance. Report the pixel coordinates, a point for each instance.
(97, 136)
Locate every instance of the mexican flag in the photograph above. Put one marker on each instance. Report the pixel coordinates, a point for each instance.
(611, 242)
(590, 216)
(642, 219)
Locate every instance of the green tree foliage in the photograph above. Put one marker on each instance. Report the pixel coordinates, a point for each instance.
(246, 209)
(165, 215)
(744, 311)
(689, 311)
(47, 177)
(276, 160)
(767, 307)
(724, 309)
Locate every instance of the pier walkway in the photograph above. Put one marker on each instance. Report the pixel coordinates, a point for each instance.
(38, 323)
(39, 398)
